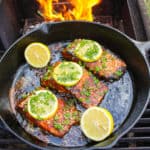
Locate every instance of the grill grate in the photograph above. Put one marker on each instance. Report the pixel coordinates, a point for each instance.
(139, 136)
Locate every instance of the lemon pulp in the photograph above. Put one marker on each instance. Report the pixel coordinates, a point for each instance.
(67, 73)
(97, 123)
(42, 105)
(37, 54)
(88, 50)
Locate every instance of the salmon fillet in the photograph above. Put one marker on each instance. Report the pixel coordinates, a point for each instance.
(108, 66)
(66, 116)
(89, 90)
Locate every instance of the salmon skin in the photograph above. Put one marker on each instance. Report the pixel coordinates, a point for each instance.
(66, 116)
(108, 66)
(89, 90)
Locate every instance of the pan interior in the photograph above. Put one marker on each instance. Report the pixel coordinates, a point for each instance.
(118, 101)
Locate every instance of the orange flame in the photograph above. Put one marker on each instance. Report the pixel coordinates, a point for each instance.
(56, 10)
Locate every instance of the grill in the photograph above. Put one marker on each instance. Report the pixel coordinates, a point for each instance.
(139, 136)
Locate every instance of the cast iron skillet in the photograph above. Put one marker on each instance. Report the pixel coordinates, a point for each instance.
(132, 52)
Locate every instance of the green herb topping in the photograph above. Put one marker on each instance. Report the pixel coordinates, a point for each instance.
(118, 73)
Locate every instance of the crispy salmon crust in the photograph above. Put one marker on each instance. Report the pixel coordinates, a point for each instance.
(66, 116)
(108, 66)
(89, 90)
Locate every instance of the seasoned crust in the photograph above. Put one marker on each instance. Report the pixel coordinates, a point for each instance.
(89, 90)
(108, 66)
(66, 116)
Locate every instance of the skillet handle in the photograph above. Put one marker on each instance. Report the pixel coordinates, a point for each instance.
(144, 47)
(2, 126)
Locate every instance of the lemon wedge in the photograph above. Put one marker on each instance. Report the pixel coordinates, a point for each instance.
(37, 54)
(42, 104)
(88, 50)
(97, 123)
(67, 73)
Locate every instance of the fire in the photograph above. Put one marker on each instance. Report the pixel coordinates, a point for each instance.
(58, 10)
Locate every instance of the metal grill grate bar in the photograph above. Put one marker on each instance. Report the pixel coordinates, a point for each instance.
(141, 130)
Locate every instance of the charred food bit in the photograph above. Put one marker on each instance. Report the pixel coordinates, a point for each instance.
(66, 116)
(89, 90)
(108, 66)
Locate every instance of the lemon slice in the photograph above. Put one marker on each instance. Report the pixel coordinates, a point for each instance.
(97, 123)
(88, 50)
(42, 105)
(37, 55)
(67, 73)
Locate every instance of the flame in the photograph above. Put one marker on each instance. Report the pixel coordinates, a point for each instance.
(56, 10)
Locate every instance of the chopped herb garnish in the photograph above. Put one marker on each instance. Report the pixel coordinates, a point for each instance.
(90, 73)
(96, 81)
(47, 75)
(56, 118)
(118, 73)
(66, 122)
(49, 68)
(67, 115)
(81, 99)
(86, 92)
(103, 65)
(105, 91)
(81, 64)
(97, 69)
(58, 126)
(91, 88)
(91, 52)
(104, 59)
(75, 115)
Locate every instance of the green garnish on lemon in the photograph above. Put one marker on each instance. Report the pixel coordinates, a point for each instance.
(42, 104)
(67, 73)
(97, 123)
(37, 54)
(88, 50)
